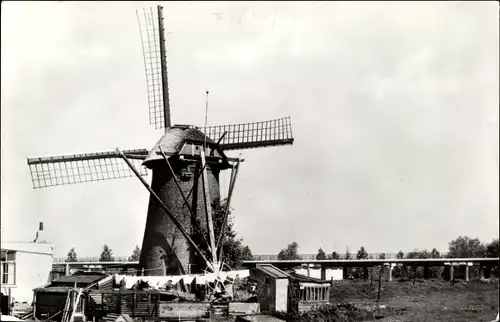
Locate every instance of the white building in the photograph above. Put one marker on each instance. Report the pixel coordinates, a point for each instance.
(24, 266)
(335, 274)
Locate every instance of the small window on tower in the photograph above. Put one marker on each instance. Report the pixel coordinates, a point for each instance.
(187, 173)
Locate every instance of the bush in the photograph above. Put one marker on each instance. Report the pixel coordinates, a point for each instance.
(343, 312)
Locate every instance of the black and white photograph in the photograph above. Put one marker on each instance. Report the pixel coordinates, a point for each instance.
(260, 161)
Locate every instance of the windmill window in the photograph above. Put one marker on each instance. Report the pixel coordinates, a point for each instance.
(187, 173)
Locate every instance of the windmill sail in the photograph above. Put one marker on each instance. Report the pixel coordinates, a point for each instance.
(155, 65)
(253, 135)
(79, 168)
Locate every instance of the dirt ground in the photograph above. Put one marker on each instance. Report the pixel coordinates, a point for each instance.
(427, 300)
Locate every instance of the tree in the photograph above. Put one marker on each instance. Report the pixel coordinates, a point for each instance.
(335, 255)
(106, 255)
(465, 246)
(435, 253)
(321, 254)
(398, 271)
(234, 252)
(493, 248)
(362, 254)
(347, 253)
(246, 253)
(426, 272)
(136, 254)
(71, 256)
(289, 253)
(417, 253)
(382, 256)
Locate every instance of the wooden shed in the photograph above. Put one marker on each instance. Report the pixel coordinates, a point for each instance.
(272, 288)
(308, 292)
(50, 300)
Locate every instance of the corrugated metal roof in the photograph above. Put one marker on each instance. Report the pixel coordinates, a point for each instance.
(272, 271)
(80, 279)
(307, 279)
(58, 289)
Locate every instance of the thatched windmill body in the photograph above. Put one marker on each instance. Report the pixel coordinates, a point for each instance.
(185, 165)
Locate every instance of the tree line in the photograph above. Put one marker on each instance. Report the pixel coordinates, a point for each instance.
(461, 247)
(106, 255)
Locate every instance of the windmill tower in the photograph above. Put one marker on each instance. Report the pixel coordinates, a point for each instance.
(185, 164)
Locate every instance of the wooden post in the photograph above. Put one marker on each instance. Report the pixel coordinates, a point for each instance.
(414, 274)
(232, 181)
(379, 283)
(9, 301)
(34, 305)
(84, 307)
(208, 210)
(134, 303)
(467, 272)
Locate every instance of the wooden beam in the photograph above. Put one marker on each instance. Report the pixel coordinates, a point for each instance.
(164, 74)
(257, 144)
(234, 173)
(142, 153)
(208, 210)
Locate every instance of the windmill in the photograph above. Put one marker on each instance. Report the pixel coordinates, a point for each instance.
(185, 164)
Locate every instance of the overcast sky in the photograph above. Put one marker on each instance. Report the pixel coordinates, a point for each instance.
(394, 109)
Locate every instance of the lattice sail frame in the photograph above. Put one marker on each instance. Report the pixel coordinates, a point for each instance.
(253, 135)
(152, 52)
(80, 168)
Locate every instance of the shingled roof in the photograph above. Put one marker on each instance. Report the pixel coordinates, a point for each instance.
(173, 140)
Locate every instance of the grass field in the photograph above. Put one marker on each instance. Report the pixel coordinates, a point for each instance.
(427, 300)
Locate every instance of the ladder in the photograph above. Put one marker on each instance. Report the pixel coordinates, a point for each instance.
(71, 305)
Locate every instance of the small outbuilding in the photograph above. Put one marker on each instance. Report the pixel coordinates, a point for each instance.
(308, 292)
(50, 300)
(272, 287)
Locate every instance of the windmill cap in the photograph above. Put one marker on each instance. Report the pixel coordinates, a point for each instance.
(173, 141)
